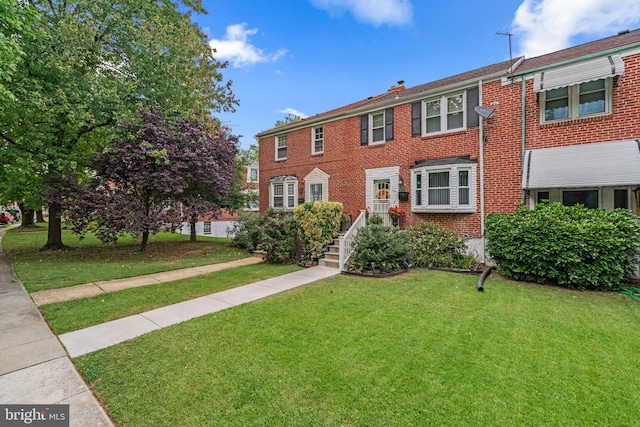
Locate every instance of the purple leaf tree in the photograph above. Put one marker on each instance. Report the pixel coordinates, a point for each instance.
(156, 174)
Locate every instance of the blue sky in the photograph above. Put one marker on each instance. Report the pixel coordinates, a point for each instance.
(310, 56)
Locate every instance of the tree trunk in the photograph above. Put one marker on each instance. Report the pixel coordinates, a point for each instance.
(193, 231)
(54, 236)
(145, 241)
(39, 216)
(27, 216)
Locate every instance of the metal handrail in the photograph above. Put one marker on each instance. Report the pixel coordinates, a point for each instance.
(346, 245)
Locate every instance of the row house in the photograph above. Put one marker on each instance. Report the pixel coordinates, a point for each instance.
(562, 127)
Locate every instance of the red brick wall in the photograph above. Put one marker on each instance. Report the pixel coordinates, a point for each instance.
(345, 160)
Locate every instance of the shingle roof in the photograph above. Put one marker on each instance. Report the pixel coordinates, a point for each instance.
(602, 45)
(622, 39)
(390, 96)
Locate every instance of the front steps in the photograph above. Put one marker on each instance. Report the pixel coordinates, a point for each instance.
(332, 258)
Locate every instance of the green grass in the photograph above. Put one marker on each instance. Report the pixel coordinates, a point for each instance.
(424, 348)
(77, 314)
(88, 260)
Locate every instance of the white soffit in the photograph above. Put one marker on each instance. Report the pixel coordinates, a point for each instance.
(604, 164)
(586, 71)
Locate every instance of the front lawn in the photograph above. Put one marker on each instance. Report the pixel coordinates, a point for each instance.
(423, 348)
(81, 313)
(88, 260)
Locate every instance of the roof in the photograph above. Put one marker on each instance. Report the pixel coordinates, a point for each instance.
(598, 46)
(399, 95)
(444, 161)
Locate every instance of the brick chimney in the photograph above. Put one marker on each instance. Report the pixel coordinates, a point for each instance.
(397, 88)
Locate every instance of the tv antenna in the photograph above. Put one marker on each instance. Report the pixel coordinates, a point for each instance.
(510, 53)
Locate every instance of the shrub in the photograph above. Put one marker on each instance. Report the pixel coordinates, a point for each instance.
(318, 224)
(381, 247)
(272, 232)
(573, 247)
(436, 246)
(245, 231)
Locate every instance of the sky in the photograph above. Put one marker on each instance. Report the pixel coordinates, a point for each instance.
(306, 57)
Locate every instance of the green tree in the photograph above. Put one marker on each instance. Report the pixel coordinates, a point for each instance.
(289, 118)
(92, 66)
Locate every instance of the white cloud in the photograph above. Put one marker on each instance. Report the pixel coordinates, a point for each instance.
(294, 112)
(376, 12)
(543, 26)
(236, 48)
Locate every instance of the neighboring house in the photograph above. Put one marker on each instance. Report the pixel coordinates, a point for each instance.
(561, 126)
(219, 227)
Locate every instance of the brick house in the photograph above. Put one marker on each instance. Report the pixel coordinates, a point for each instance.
(562, 126)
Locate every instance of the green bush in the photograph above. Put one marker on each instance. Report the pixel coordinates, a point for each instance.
(318, 224)
(272, 232)
(436, 246)
(381, 247)
(573, 247)
(245, 231)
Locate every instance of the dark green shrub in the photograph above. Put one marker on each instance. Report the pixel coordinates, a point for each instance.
(375, 220)
(272, 232)
(573, 247)
(381, 247)
(436, 246)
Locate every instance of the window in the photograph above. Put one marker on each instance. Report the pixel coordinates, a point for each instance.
(207, 227)
(316, 192)
(444, 188)
(252, 175)
(580, 100)
(377, 127)
(588, 198)
(444, 114)
(317, 140)
(418, 190)
(621, 199)
(542, 196)
(283, 192)
(281, 147)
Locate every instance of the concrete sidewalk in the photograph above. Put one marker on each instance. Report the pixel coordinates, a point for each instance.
(107, 334)
(92, 289)
(34, 368)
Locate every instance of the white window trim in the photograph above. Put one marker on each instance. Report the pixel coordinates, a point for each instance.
(286, 194)
(317, 176)
(249, 169)
(444, 113)
(384, 121)
(313, 140)
(574, 103)
(277, 140)
(453, 205)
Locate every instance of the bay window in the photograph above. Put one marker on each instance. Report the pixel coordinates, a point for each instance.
(447, 185)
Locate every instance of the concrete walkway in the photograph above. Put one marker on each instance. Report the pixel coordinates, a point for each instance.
(107, 334)
(92, 289)
(34, 367)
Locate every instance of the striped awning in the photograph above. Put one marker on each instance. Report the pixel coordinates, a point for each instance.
(605, 164)
(586, 71)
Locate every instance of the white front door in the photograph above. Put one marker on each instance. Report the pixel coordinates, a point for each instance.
(381, 199)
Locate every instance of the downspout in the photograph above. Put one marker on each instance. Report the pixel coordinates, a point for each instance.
(524, 129)
(481, 174)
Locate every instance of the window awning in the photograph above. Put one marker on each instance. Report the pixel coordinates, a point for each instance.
(594, 69)
(605, 164)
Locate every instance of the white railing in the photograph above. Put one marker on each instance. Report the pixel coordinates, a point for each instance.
(347, 241)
